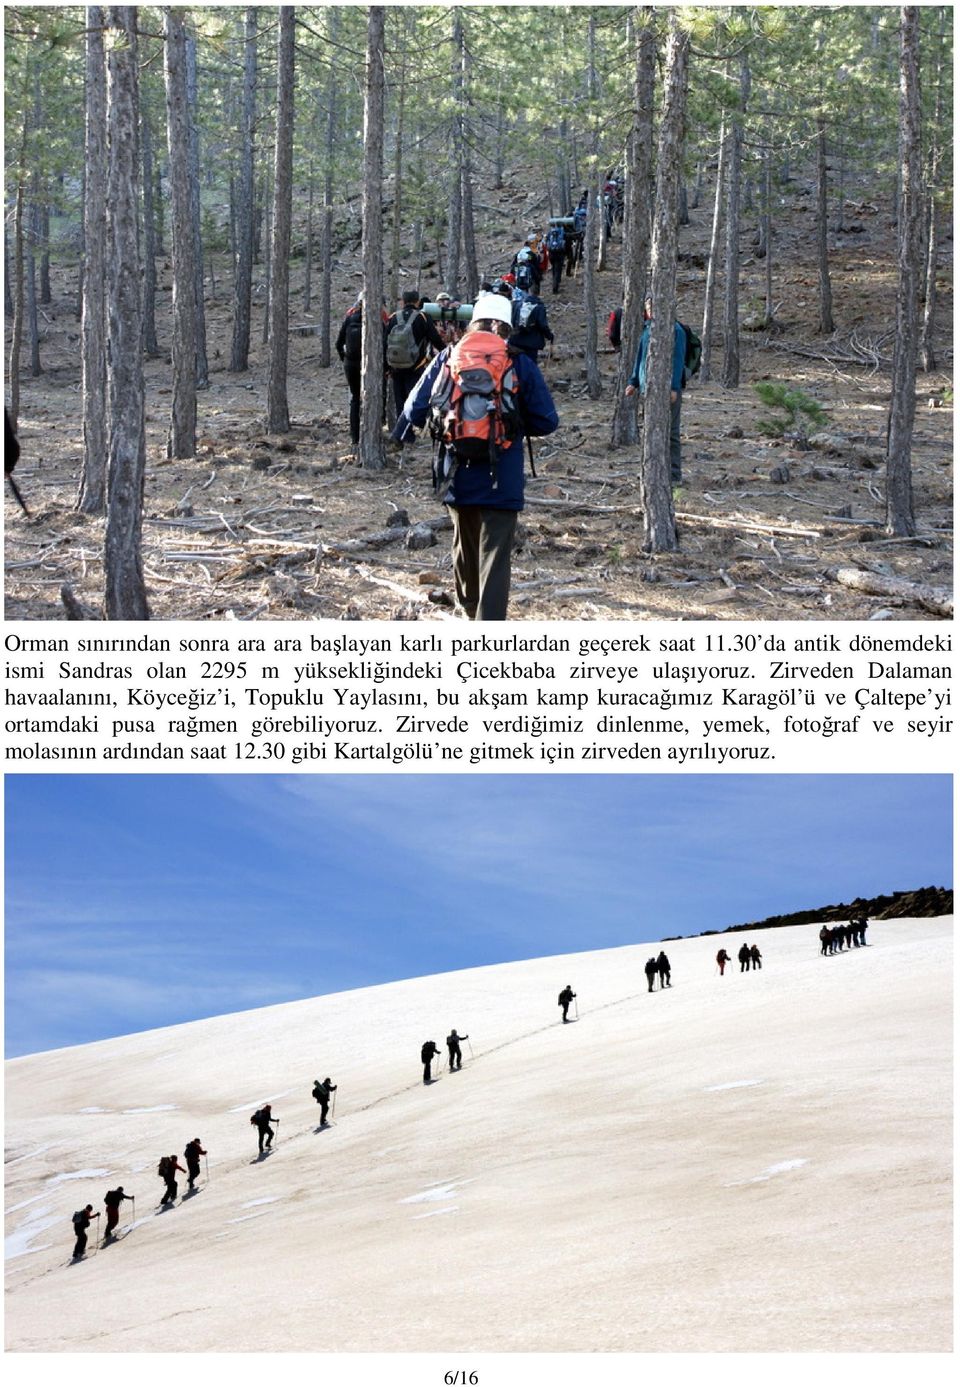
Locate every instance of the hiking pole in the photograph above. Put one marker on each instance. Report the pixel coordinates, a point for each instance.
(471, 1047)
(333, 1109)
(96, 1241)
(576, 1010)
(206, 1164)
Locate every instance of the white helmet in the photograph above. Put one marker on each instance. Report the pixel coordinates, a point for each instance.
(492, 306)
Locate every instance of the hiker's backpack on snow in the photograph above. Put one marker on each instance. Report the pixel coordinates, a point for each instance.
(556, 238)
(403, 350)
(693, 353)
(163, 1169)
(79, 1220)
(257, 1118)
(474, 405)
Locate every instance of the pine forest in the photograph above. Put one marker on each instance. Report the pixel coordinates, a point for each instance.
(203, 204)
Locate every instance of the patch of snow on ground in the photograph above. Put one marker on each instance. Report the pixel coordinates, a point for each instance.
(259, 1102)
(17, 1244)
(77, 1175)
(29, 1155)
(244, 1217)
(770, 1171)
(14, 1207)
(450, 1209)
(435, 1192)
(162, 1107)
(737, 1083)
(267, 1199)
(94, 1110)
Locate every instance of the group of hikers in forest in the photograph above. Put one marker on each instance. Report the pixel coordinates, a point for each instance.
(471, 372)
(323, 1089)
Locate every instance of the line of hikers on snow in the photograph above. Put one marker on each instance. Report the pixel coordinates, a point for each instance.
(831, 940)
(471, 372)
(749, 956)
(853, 935)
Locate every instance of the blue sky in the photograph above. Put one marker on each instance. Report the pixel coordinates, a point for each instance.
(142, 901)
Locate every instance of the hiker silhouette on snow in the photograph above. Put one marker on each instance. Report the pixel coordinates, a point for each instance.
(113, 1199)
(427, 1052)
(192, 1153)
(322, 1092)
(663, 968)
(454, 1056)
(723, 958)
(565, 998)
(167, 1170)
(744, 956)
(650, 968)
(261, 1119)
(81, 1222)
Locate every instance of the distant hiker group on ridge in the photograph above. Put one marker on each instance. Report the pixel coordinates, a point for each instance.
(657, 968)
(853, 935)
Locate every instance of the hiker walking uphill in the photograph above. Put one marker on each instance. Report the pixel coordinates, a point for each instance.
(321, 1092)
(112, 1201)
(744, 957)
(686, 361)
(409, 337)
(723, 958)
(454, 1057)
(556, 244)
(427, 1052)
(531, 331)
(482, 399)
(81, 1222)
(663, 968)
(262, 1119)
(651, 970)
(167, 1170)
(565, 998)
(192, 1153)
(755, 957)
(348, 346)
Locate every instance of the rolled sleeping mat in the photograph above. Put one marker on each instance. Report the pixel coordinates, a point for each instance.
(463, 314)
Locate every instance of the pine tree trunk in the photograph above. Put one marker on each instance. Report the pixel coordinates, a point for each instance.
(92, 493)
(394, 294)
(243, 278)
(149, 238)
(900, 517)
(768, 233)
(928, 354)
(371, 366)
(455, 214)
(182, 439)
(590, 359)
(308, 267)
(268, 256)
(713, 259)
(731, 300)
(45, 295)
(656, 492)
(125, 596)
(16, 335)
(823, 264)
(33, 327)
(278, 411)
(333, 19)
(203, 371)
(638, 200)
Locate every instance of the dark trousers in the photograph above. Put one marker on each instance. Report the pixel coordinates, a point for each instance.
(676, 471)
(324, 1105)
(566, 1008)
(557, 258)
(651, 979)
(404, 379)
(482, 546)
(351, 369)
(426, 1070)
(456, 1059)
(113, 1218)
(171, 1192)
(193, 1173)
(80, 1246)
(265, 1135)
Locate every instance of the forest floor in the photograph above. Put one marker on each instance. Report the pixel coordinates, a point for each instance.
(290, 527)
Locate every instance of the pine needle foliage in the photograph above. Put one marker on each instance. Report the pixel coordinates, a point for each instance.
(799, 411)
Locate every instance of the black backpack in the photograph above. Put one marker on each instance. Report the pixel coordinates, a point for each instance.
(353, 335)
(163, 1169)
(79, 1221)
(693, 353)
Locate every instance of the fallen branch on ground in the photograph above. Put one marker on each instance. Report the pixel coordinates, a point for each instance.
(936, 600)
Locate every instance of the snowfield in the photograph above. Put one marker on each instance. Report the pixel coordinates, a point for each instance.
(759, 1162)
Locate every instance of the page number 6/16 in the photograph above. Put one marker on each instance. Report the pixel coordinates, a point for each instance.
(461, 1379)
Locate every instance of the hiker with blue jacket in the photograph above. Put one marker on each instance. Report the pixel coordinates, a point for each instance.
(638, 381)
(485, 494)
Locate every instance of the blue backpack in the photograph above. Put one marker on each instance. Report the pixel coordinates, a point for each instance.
(556, 238)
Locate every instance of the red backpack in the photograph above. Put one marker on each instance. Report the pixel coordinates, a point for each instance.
(474, 403)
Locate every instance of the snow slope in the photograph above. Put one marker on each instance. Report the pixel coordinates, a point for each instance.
(758, 1162)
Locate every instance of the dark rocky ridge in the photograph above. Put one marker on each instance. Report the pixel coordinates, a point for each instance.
(924, 903)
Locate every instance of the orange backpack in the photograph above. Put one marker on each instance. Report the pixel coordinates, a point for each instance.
(474, 403)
